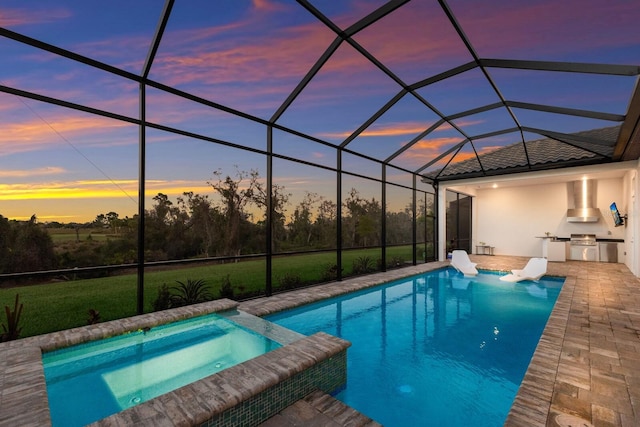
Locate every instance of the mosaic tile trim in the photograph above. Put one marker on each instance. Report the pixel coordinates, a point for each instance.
(328, 376)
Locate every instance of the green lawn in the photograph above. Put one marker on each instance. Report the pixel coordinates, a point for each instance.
(56, 306)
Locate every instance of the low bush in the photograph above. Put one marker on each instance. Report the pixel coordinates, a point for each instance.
(163, 300)
(226, 290)
(329, 273)
(94, 317)
(290, 280)
(363, 265)
(189, 292)
(11, 331)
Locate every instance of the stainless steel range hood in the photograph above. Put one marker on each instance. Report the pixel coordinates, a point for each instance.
(582, 201)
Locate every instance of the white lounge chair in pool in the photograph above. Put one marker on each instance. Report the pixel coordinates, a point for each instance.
(461, 262)
(534, 270)
(460, 283)
(537, 291)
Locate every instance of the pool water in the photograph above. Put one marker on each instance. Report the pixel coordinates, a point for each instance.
(91, 381)
(435, 349)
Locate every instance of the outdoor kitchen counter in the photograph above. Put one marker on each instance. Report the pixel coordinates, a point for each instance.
(598, 239)
(602, 249)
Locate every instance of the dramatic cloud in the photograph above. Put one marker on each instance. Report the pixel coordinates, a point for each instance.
(398, 129)
(425, 151)
(388, 129)
(36, 134)
(98, 189)
(68, 190)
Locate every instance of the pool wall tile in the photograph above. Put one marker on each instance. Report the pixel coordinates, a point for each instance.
(328, 375)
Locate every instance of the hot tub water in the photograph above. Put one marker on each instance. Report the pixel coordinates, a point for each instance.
(91, 381)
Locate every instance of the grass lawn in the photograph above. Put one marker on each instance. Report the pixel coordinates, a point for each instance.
(56, 306)
(62, 235)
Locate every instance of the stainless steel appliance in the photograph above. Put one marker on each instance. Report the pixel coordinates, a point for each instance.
(583, 247)
(608, 251)
(582, 201)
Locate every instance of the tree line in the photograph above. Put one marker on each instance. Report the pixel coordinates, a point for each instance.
(196, 226)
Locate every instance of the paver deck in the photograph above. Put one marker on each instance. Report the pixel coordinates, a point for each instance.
(586, 368)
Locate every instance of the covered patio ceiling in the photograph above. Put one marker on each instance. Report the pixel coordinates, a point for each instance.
(443, 89)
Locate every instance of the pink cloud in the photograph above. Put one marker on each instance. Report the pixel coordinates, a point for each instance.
(545, 27)
(416, 33)
(388, 129)
(426, 150)
(264, 63)
(50, 170)
(400, 129)
(27, 16)
(34, 135)
(267, 6)
(241, 59)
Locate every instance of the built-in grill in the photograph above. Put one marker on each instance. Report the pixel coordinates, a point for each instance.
(583, 239)
(583, 247)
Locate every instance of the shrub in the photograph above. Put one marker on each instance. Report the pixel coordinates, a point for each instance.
(396, 261)
(94, 317)
(290, 280)
(363, 265)
(191, 292)
(12, 329)
(329, 273)
(226, 290)
(163, 300)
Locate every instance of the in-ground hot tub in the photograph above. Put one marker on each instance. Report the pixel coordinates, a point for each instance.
(245, 394)
(91, 381)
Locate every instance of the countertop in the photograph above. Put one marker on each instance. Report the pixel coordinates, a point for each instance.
(566, 239)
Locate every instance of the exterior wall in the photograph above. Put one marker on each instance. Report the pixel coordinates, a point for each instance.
(510, 218)
(631, 208)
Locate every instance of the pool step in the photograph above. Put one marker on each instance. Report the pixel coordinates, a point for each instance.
(319, 409)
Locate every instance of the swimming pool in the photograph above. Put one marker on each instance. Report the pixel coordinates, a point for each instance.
(90, 381)
(435, 349)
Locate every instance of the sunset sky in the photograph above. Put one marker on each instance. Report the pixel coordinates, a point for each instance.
(66, 165)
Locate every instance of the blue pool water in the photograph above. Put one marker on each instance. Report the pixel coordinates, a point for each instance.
(436, 349)
(91, 381)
